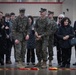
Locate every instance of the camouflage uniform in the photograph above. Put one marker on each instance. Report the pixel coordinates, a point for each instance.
(41, 27)
(20, 30)
(52, 30)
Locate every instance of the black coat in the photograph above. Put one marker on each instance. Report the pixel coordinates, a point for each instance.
(7, 30)
(31, 42)
(56, 40)
(63, 31)
(2, 38)
(2, 30)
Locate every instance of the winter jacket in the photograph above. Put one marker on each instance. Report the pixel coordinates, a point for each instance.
(62, 32)
(31, 41)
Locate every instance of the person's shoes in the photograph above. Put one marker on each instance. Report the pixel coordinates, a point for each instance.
(33, 63)
(44, 65)
(23, 60)
(59, 65)
(20, 65)
(27, 63)
(50, 63)
(1, 62)
(67, 66)
(8, 62)
(63, 66)
(38, 64)
(74, 64)
(16, 60)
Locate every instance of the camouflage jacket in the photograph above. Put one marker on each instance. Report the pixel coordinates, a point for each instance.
(20, 28)
(52, 27)
(42, 26)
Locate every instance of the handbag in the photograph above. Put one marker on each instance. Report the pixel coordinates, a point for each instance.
(73, 41)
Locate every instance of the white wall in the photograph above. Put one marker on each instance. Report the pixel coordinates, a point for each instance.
(74, 10)
(71, 5)
(68, 4)
(32, 9)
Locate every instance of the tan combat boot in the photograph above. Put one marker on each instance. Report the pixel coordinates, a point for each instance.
(38, 64)
(44, 65)
(20, 65)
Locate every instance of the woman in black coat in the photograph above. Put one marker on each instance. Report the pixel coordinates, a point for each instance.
(8, 39)
(2, 39)
(59, 51)
(65, 34)
(31, 42)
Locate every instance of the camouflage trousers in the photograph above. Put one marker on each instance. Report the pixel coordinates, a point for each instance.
(50, 48)
(41, 50)
(20, 50)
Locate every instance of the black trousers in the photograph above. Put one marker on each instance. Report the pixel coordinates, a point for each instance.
(1, 57)
(30, 56)
(8, 49)
(66, 56)
(2, 49)
(59, 55)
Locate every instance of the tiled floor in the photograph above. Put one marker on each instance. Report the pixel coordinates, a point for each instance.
(11, 69)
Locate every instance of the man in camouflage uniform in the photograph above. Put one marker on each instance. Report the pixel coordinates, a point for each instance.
(20, 34)
(52, 30)
(41, 28)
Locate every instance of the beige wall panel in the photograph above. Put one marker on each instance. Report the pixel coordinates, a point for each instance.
(32, 9)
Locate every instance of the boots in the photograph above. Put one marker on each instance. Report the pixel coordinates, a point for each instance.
(8, 62)
(1, 61)
(44, 65)
(20, 65)
(38, 64)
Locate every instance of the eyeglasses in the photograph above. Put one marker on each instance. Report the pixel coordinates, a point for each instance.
(60, 18)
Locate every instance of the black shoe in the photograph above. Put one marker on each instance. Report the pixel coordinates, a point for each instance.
(59, 65)
(33, 63)
(27, 63)
(67, 65)
(74, 64)
(62, 66)
(23, 60)
(8, 62)
(16, 60)
(1, 61)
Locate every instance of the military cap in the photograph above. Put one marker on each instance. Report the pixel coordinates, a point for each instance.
(12, 13)
(50, 12)
(43, 10)
(21, 10)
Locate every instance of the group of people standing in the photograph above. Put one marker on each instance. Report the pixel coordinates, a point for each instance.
(5, 37)
(22, 33)
(39, 35)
